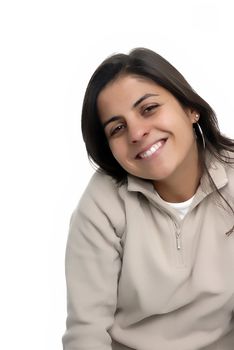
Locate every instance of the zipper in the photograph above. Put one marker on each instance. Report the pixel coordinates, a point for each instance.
(177, 233)
(178, 245)
(177, 228)
(178, 239)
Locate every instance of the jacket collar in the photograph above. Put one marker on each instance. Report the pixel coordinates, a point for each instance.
(215, 168)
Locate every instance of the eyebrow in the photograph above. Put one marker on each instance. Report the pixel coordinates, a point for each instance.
(117, 117)
(142, 99)
(112, 119)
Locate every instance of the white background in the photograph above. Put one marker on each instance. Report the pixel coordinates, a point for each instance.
(49, 49)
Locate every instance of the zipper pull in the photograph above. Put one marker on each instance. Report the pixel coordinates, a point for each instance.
(178, 242)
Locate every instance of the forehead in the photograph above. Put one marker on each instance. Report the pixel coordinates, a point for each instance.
(127, 84)
(126, 90)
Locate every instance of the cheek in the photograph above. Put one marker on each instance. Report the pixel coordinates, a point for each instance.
(117, 150)
(168, 121)
(186, 138)
(183, 126)
(121, 154)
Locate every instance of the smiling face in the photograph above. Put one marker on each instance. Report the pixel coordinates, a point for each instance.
(149, 133)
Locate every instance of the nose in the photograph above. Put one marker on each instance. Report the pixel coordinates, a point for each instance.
(137, 131)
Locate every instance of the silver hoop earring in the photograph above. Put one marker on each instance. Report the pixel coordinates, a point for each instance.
(202, 135)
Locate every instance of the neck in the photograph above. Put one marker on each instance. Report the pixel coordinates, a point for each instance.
(182, 185)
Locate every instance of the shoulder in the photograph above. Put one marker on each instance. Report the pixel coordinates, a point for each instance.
(229, 170)
(100, 200)
(229, 164)
(101, 188)
(230, 176)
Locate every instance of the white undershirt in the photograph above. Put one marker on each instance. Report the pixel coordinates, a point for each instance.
(181, 207)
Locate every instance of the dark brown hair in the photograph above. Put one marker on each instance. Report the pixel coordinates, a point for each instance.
(146, 63)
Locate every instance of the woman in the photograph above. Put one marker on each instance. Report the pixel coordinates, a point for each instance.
(150, 253)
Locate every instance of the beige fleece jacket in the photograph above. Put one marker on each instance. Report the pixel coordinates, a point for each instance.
(139, 277)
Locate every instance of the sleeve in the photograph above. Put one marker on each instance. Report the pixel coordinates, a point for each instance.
(92, 264)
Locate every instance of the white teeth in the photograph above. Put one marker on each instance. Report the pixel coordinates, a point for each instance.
(151, 150)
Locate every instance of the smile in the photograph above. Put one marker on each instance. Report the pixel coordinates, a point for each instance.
(151, 150)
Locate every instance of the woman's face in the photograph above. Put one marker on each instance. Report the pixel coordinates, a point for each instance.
(149, 133)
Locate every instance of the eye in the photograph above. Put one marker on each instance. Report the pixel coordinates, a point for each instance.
(117, 129)
(149, 108)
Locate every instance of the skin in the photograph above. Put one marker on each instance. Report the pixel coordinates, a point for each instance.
(136, 113)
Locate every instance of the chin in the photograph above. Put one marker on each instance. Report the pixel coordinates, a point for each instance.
(153, 174)
(161, 175)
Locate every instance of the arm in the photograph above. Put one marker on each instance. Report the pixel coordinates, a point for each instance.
(92, 269)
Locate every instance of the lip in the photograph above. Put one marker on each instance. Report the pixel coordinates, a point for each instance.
(149, 146)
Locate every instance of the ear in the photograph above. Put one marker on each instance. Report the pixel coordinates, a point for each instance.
(196, 117)
(193, 115)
